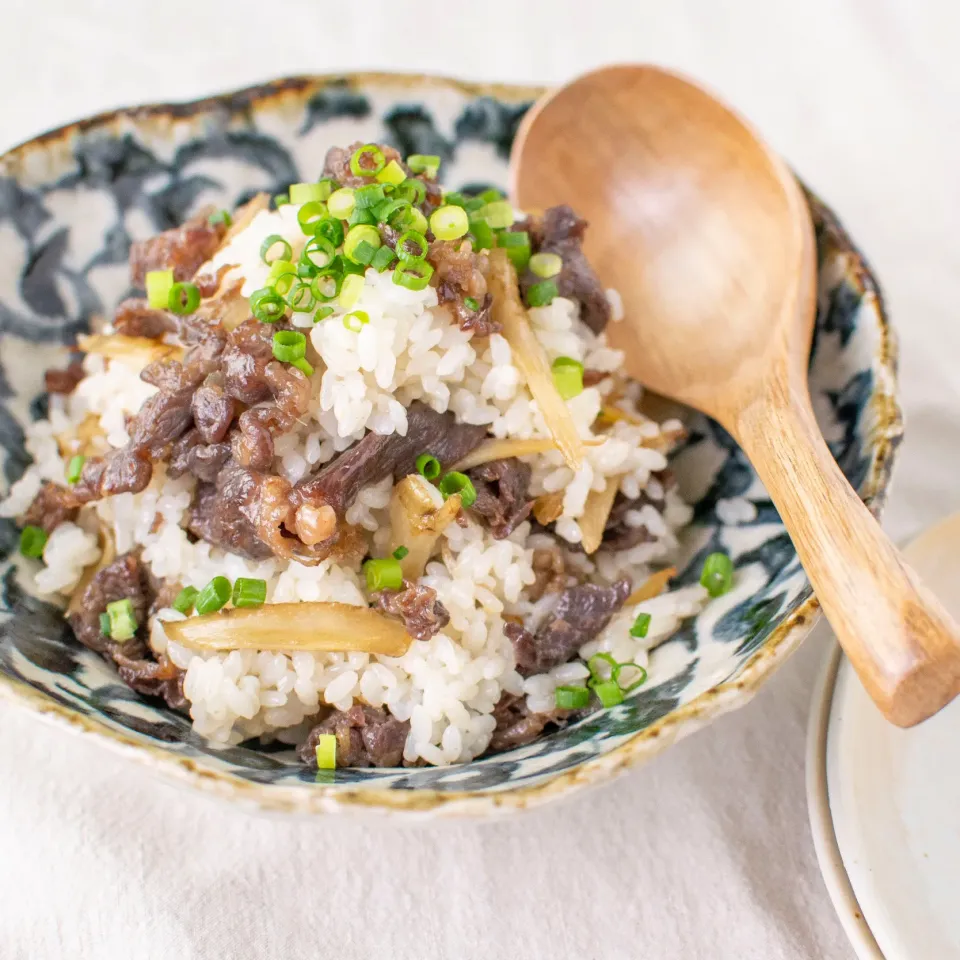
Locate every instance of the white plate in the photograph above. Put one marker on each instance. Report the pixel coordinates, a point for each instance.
(885, 803)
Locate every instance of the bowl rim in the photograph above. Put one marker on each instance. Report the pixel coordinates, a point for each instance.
(681, 722)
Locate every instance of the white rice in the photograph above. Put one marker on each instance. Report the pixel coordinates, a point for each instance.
(410, 350)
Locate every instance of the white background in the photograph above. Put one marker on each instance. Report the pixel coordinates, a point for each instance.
(706, 852)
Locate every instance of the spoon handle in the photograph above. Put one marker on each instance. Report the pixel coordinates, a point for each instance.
(903, 644)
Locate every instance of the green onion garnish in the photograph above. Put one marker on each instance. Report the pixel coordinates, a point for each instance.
(498, 214)
(384, 574)
(428, 467)
(546, 265)
(327, 185)
(369, 196)
(471, 304)
(640, 626)
(392, 173)
(289, 346)
(32, 541)
(609, 692)
(123, 622)
(104, 624)
(482, 233)
(281, 200)
(385, 211)
(303, 366)
(213, 596)
(490, 196)
(362, 216)
(308, 192)
(364, 253)
(400, 553)
(455, 199)
(350, 266)
(517, 245)
(158, 283)
(183, 602)
(418, 240)
(327, 751)
(248, 592)
(368, 161)
(424, 163)
(320, 251)
(331, 229)
(326, 283)
(275, 248)
(355, 321)
(641, 678)
(301, 298)
(474, 204)
(542, 293)
(184, 298)
(356, 236)
(278, 269)
(594, 665)
(322, 314)
(382, 259)
(413, 276)
(717, 575)
(311, 215)
(567, 377)
(221, 216)
(267, 305)
(449, 222)
(460, 483)
(572, 698)
(341, 203)
(75, 468)
(412, 190)
(350, 290)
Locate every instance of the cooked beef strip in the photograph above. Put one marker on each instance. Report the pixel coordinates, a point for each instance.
(582, 611)
(481, 321)
(366, 737)
(502, 499)
(50, 507)
(135, 317)
(561, 231)
(213, 410)
(417, 605)
(618, 534)
(517, 726)
(182, 249)
(64, 381)
(127, 578)
(248, 353)
(460, 272)
(191, 455)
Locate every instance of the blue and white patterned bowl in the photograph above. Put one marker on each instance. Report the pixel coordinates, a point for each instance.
(73, 199)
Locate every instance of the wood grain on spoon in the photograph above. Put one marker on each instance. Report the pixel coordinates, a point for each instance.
(708, 239)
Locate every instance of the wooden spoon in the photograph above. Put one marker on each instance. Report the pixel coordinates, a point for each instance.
(708, 239)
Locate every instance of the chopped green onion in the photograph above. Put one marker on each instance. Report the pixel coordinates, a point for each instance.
(185, 599)
(357, 235)
(278, 269)
(123, 622)
(331, 229)
(717, 575)
(362, 216)
(158, 283)
(319, 251)
(413, 276)
(413, 220)
(460, 483)
(368, 161)
(75, 468)
(248, 592)
(400, 553)
(301, 298)
(221, 216)
(289, 345)
(572, 698)
(356, 320)
(104, 624)
(567, 377)
(369, 196)
(32, 541)
(383, 258)
(411, 189)
(455, 199)
(418, 240)
(213, 596)
(471, 304)
(640, 626)
(327, 751)
(267, 305)
(327, 283)
(322, 314)
(308, 192)
(474, 204)
(546, 265)
(281, 200)
(383, 574)
(392, 173)
(498, 214)
(609, 692)
(428, 466)
(389, 208)
(638, 682)
(347, 265)
(311, 215)
(482, 233)
(303, 366)
(350, 290)
(341, 203)
(364, 253)
(542, 293)
(517, 245)
(594, 664)
(449, 222)
(275, 248)
(424, 163)
(490, 196)
(327, 185)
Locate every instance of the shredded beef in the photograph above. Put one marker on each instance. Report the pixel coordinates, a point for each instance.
(337, 164)
(417, 605)
(183, 250)
(560, 231)
(582, 611)
(248, 353)
(460, 273)
(212, 409)
(64, 381)
(50, 507)
(366, 737)
(502, 499)
(135, 317)
(618, 534)
(517, 726)
(191, 455)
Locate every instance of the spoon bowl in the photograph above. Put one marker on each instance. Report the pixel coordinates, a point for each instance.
(706, 235)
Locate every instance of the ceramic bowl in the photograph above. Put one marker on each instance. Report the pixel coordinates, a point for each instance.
(72, 200)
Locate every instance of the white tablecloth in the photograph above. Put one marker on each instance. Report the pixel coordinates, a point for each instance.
(706, 852)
